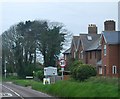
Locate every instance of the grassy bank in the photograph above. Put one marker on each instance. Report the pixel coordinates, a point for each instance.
(93, 87)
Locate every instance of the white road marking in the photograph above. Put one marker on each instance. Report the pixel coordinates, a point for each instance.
(5, 95)
(13, 92)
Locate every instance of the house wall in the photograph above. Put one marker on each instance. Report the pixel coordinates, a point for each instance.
(72, 51)
(113, 58)
(67, 57)
(104, 58)
(84, 59)
(95, 57)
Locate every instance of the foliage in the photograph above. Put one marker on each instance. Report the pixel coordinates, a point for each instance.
(82, 71)
(76, 89)
(39, 74)
(23, 40)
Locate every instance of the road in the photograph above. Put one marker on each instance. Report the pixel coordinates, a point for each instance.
(18, 92)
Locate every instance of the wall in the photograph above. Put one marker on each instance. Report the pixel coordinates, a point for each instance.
(113, 58)
(95, 57)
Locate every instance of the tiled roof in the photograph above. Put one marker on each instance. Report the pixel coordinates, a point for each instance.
(111, 37)
(68, 51)
(90, 44)
(95, 46)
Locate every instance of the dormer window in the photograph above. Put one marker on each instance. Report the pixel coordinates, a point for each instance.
(89, 38)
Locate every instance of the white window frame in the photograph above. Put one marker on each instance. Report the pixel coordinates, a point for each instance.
(65, 57)
(100, 70)
(89, 38)
(81, 54)
(105, 50)
(114, 69)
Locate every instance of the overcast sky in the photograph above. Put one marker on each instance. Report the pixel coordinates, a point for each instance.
(74, 15)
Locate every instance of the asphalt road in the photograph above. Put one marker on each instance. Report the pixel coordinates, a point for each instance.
(12, 91)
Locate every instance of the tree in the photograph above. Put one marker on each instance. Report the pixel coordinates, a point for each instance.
(51, 42)
(82, 71)
(22, 40)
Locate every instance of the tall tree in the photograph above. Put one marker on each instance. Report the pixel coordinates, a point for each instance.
(51, 42)
(21, 42)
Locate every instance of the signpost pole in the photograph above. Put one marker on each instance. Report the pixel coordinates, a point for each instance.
(62, 63)
(62, 69)
(5, 69)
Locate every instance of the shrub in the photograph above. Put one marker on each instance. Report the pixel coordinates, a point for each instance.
(39, 74)
(83, 71)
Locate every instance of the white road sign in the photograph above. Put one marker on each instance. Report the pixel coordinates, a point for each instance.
(62, 63)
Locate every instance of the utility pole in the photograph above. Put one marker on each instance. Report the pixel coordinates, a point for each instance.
(5, 69)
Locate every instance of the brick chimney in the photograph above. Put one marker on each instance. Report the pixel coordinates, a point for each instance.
(92, 29)
(109, 25)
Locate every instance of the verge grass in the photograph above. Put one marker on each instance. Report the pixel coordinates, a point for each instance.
(93, 87)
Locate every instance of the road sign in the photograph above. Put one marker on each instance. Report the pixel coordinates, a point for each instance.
(62, 63)
(50, 71)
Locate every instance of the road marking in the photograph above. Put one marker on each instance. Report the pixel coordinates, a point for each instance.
(13, 91)
(5, 95)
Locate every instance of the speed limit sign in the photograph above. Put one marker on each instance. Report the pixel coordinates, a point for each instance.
(62, 63)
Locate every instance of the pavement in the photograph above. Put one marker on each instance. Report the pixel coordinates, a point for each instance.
(12, 91)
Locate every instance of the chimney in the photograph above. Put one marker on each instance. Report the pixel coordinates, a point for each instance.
(92, 29)
(109, 25)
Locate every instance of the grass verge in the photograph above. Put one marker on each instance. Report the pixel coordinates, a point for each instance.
(93, 87)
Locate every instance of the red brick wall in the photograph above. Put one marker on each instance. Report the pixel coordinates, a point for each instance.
(94, 58)
(111, 58)
(80, 49)
(104, 58)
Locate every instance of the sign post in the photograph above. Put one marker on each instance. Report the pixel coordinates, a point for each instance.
(62, 63)
(48, 73)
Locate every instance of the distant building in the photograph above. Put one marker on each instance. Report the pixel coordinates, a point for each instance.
(100, 50)
(86, 46)
(110, 42)
(67, 56)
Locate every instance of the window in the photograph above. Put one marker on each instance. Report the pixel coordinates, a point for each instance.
(100, 70)
(90, 55)
(89, 38)
(104, 50)
(105, 70)
(114, 69)
(81, 54)
(65, 56)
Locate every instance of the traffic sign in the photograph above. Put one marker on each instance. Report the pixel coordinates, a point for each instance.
(62, 63)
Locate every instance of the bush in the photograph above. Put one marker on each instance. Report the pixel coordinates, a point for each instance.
(39, 74)
(83, 71)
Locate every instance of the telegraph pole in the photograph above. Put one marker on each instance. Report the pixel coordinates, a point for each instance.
(5, 69)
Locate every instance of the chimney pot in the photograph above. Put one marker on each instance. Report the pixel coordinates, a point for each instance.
(92, 29)
(109, 25)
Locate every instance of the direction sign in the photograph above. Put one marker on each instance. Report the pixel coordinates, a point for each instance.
(62, 63)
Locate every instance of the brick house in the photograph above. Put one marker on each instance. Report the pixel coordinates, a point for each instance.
(99, 50)
(85, 47)
(75, 47)
(110, 41)
(67, 56)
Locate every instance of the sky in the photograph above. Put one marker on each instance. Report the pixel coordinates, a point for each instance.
(73, 14)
